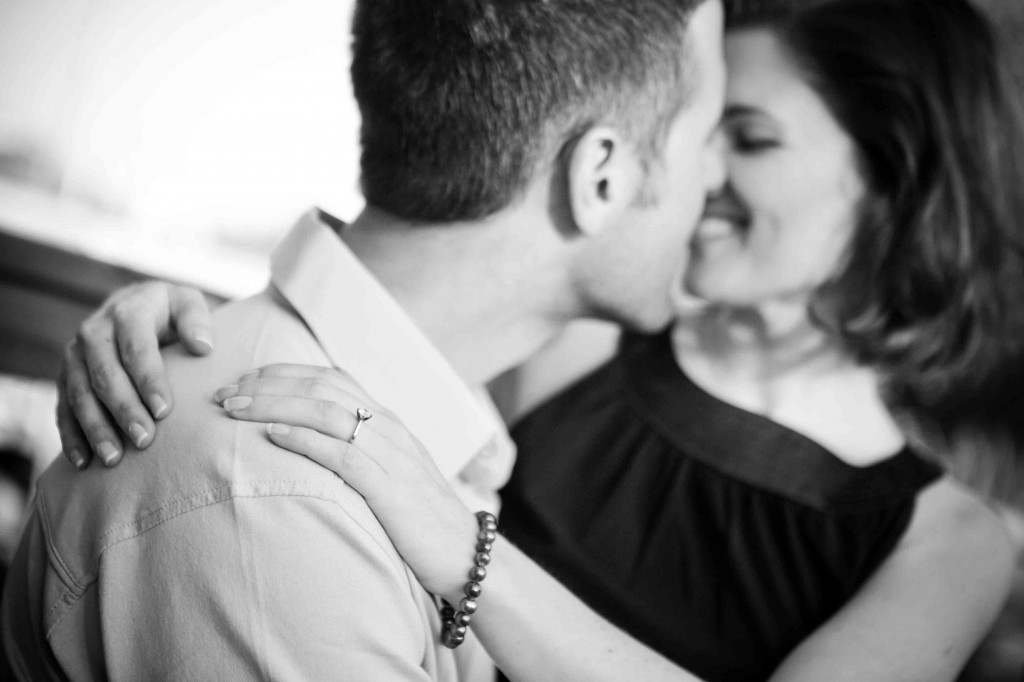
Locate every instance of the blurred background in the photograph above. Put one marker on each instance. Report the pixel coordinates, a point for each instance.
(179, 140)
(175, 138)
(144, 139)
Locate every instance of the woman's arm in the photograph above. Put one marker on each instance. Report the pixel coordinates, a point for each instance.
(928, 605)
(532, 626)
(536, 629)
(112, 376)
(917, 619)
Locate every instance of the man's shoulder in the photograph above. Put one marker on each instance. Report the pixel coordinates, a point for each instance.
(200, 457)
(256, 542)
(194, 466)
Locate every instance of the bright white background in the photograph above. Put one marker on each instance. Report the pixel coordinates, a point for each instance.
(179, 137)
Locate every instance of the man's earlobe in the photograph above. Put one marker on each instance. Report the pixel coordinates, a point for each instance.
(602, 176)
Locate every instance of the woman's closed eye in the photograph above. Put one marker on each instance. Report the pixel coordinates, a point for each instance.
(753, 142)
(750, 131)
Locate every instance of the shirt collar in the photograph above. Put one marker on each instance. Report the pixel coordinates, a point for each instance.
(363, 330)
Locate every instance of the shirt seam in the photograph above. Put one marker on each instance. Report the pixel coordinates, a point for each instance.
(141, 528)
(64, 573)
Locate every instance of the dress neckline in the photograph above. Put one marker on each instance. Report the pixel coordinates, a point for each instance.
(752, 448)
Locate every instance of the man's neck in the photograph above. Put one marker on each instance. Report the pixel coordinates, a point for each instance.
(486, 293)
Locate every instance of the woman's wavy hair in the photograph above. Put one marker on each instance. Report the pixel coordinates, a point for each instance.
(932, 290)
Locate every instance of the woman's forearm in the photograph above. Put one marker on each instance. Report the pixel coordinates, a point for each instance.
(535, 629)
(928, 605)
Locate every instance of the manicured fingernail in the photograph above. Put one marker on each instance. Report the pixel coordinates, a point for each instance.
(239, 403)
(137, 433)
(108, 453)
(226, 392)
(278, 429)
(77, 458)
(202, 337)
(157, 406)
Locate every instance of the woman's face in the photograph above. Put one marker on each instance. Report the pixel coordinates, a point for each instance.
(780, 226)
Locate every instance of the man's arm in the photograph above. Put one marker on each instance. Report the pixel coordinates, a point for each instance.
(928, 605)
(112, 378)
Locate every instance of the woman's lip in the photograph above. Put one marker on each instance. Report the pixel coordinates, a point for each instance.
(723, 222)
(712, 228)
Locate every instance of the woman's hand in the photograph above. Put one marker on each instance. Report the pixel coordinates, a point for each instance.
(113, 377)
(312, 411)
(522, 608)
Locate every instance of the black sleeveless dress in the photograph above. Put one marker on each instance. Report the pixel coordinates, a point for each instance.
(714, 535)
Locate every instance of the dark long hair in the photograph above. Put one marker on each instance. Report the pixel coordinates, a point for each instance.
(932, 292)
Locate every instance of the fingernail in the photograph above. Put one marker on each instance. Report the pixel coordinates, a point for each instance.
(108, 453)
(249, 375)
(77, 458)
(202, 337)
(239, 403)
(137, 433)
(225, 393)
(157, 406)
(278, 429)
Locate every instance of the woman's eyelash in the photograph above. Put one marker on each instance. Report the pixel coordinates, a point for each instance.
(751, 144)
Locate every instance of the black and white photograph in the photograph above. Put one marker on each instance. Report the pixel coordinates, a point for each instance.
(512, 340)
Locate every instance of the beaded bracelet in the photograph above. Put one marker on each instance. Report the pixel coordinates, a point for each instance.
(455, 622)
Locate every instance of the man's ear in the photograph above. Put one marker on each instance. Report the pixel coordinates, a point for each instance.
(604, 177)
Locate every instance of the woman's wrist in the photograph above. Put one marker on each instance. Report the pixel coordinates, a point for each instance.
(461, 556)
(469, 545)
(457, 612)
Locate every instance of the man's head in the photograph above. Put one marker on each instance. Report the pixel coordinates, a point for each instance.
(638, 212)
(463, 101)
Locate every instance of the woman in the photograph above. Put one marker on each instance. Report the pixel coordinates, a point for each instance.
(859, 271)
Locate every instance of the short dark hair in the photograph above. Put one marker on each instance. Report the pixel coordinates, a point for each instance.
(463, 100)
(932, 292)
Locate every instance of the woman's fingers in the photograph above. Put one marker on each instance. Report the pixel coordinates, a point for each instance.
(331, 376)
(79, 413)
(139, 353)
(310, 387)
(145, 316)
(190, 317)
(74, 443)
(382, 438)
(114, 374)
(111, 384)
(346, 460)
(329, 417)
(319, 398)
(120, 345)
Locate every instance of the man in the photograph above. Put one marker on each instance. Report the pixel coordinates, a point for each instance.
(524, 164)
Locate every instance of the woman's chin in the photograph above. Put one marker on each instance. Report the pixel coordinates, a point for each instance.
(705, 285)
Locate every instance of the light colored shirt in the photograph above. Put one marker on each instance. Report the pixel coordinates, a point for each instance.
(216, 555)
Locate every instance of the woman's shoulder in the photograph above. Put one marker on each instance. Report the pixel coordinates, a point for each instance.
(957, 510)
(953, 523)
